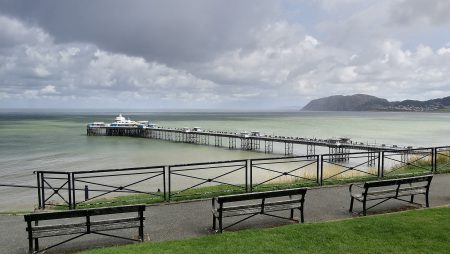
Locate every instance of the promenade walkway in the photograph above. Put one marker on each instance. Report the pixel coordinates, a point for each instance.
(192, 219)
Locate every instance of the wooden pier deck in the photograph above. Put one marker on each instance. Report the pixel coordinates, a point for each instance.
(234, 140)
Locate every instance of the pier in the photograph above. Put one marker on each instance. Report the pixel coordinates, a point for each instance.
(253, 141)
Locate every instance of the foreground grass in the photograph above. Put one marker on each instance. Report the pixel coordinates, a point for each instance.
(418, 231)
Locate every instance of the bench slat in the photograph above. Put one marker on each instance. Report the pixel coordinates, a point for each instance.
(380, 194)
(360, 197)
(82, 224)
(267, 204)
(83, 212)
(261, 195)
(256, 210)
(398, 181)
(391, 189)
(83, 229)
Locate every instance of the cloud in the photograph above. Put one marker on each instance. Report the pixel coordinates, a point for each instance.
(50, 89)
(210, 54)
(83, 71)
(169, 32)
(418, 12)
(15, 32)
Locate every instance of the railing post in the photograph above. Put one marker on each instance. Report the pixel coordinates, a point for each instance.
(246, 174)
(39, 189)
(86, 193)
(434, 153)
(321, 170)
(164, 182)
(74, 202)
(318, 168)
(42, 190)
(69, 189)
(251, 175)
(379, 165)
(382, 164)
(170, 187)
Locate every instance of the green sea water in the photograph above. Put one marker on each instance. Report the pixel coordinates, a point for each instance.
(58, 141)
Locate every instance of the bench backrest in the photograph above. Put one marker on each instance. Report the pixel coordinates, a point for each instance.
(260, 195)
(400, 181)
(83, 212)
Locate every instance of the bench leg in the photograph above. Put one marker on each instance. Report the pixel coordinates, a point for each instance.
(364, 208)
(427, 203)
(292, 214)
(30, 245)
(30, 238)
(214, 222)
(141, 225)
(220, 224)
(412, 198)
(302, 218)
(351, 204)
(36, 244)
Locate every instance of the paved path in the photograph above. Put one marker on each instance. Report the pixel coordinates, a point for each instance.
(191, 219)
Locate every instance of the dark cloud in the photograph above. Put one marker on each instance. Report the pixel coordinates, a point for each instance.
(172, 31)
(420, 12)
(203, 54)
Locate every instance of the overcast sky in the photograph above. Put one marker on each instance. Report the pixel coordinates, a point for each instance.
(205, 54)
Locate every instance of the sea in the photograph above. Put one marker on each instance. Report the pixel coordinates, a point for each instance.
(57, 140)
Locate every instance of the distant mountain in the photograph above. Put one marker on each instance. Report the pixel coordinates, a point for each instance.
(363, 102)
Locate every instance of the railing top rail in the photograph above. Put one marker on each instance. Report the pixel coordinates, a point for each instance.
(357, 153)
(116, 170)
(285, 157)
(52, 172)
(205, 163)
(95, 171)
(409, 150)
(439, 147)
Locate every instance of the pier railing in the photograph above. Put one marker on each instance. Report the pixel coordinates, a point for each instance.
(208, 179)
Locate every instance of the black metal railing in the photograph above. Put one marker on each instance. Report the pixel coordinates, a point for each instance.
(104, 183)
(99, 182)
(441, 159)
(54, 187)
(206, 179)
(343, 167)
(211, 180)
(407, 162)
(284, 172)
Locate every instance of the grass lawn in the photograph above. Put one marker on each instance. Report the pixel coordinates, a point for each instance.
(416, 231)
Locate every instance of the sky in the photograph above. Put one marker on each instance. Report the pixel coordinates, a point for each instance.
(210, 54)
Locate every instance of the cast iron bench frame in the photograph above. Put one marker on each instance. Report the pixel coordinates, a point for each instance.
(384, 191)
(88, 227)
(220, 211)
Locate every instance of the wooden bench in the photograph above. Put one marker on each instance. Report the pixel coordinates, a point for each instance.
(87, 226)
(385, 190)
(252, 204)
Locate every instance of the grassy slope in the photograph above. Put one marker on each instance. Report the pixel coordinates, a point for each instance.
(418, 231)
